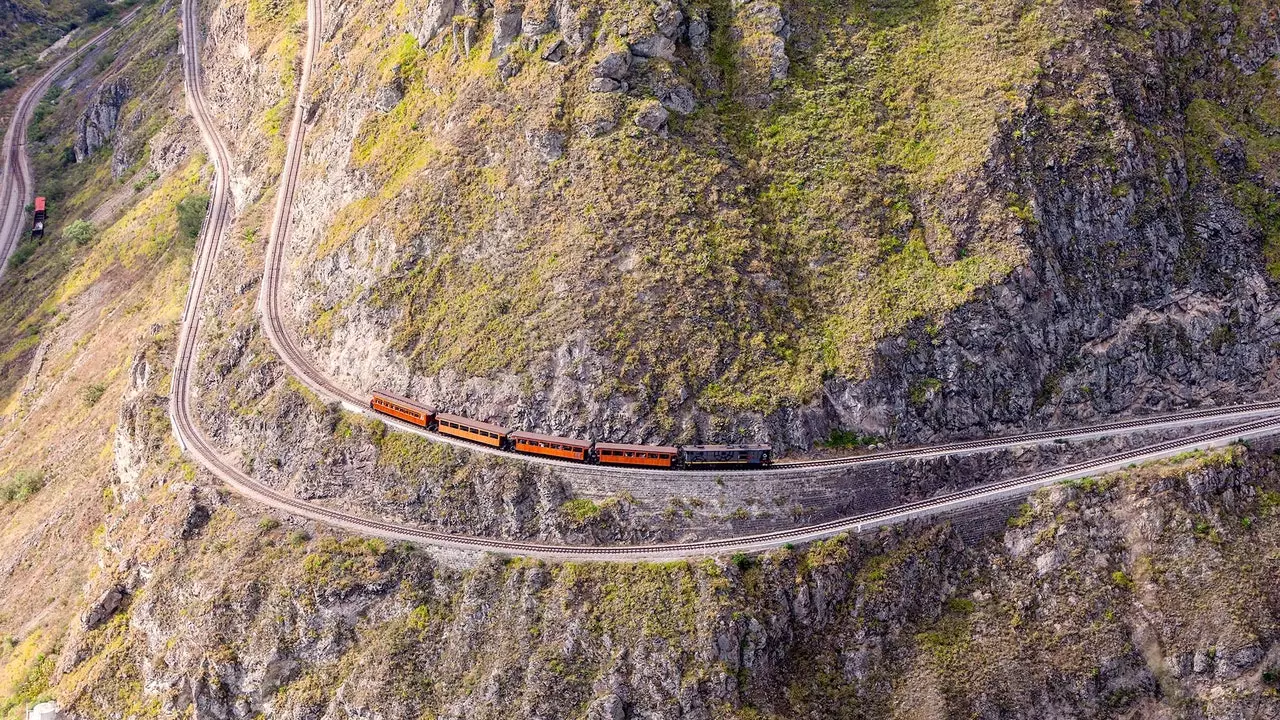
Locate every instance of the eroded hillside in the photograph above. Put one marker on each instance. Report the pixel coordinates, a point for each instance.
(687, 221)
(647, 221)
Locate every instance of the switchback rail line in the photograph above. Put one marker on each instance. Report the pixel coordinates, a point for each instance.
(194, 440)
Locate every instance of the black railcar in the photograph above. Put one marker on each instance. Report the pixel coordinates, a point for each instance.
(696, 456)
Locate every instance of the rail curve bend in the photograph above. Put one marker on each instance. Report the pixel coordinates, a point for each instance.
(17, 180)
(193, 439)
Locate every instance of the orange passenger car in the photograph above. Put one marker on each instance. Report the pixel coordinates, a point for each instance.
(663, 456)
(550, 445)
(468, 429)
(403, 408)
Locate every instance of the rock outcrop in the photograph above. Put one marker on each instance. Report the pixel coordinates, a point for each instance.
(98, 121)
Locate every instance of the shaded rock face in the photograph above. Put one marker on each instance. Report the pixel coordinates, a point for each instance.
(1145, 287)
(98, 121)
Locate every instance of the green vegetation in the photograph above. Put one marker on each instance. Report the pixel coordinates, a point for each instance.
(80, 232)
(581, 510)
(32, 687)
(191, 210)
(849, 439)
(22, 485)
(340, 565)
(92, 394)
(1121, 580)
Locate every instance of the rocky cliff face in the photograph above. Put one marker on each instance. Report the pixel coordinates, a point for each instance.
(662, 223)
(99, 120)
(1151, 593)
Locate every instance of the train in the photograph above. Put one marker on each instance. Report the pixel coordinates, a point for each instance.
(687, 457)
(37, 220)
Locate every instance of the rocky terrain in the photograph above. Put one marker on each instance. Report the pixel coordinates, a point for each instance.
(676, 221)
(681, 222)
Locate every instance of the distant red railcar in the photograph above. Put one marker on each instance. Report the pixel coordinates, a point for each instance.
(37, 221)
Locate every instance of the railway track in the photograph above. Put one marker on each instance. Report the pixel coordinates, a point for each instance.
(16, 178)
(197, 443)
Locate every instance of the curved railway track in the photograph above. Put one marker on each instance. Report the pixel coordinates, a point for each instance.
(16, 177)
(195, 441)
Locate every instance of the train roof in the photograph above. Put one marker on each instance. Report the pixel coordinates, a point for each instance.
(39, 203)
(403, 400)
(623, 447)
(713, 448)
(475, 424)
(539, 437)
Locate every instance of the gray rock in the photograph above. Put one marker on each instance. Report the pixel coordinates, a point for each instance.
(606, 85)
(506, 29)
(652, 117)
(103, 608)
(99, 120)
(668, 18)
(438, 14)
(1179, 665)
(678, 99)
(609, 707)
(555, 51)
(1200, 663)
(699, 33)
(548, 144)
(387, 97)
(655, 46)
(1048, 562)
(615, 65)
(536, 26)
(766, 15)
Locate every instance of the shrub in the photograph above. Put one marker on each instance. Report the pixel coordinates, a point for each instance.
(23, 253)
(81, 232)
(580, 510)
(23, 485)
(1121, 580)
(93, 394)
(191, 210)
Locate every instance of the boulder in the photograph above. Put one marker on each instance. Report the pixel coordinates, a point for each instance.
(548, 144)
(655, 46)
(652, 117)
(555, 51)
(678, 99)
(614, 65)
(103, 608)
(506, 29)
(606, 85)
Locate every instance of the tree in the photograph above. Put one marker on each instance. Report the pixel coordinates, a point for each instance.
(81, 232)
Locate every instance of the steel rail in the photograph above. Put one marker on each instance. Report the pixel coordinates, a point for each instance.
(16, 176)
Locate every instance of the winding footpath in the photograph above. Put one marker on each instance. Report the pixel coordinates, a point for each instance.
(17, 181)
(193, 439)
